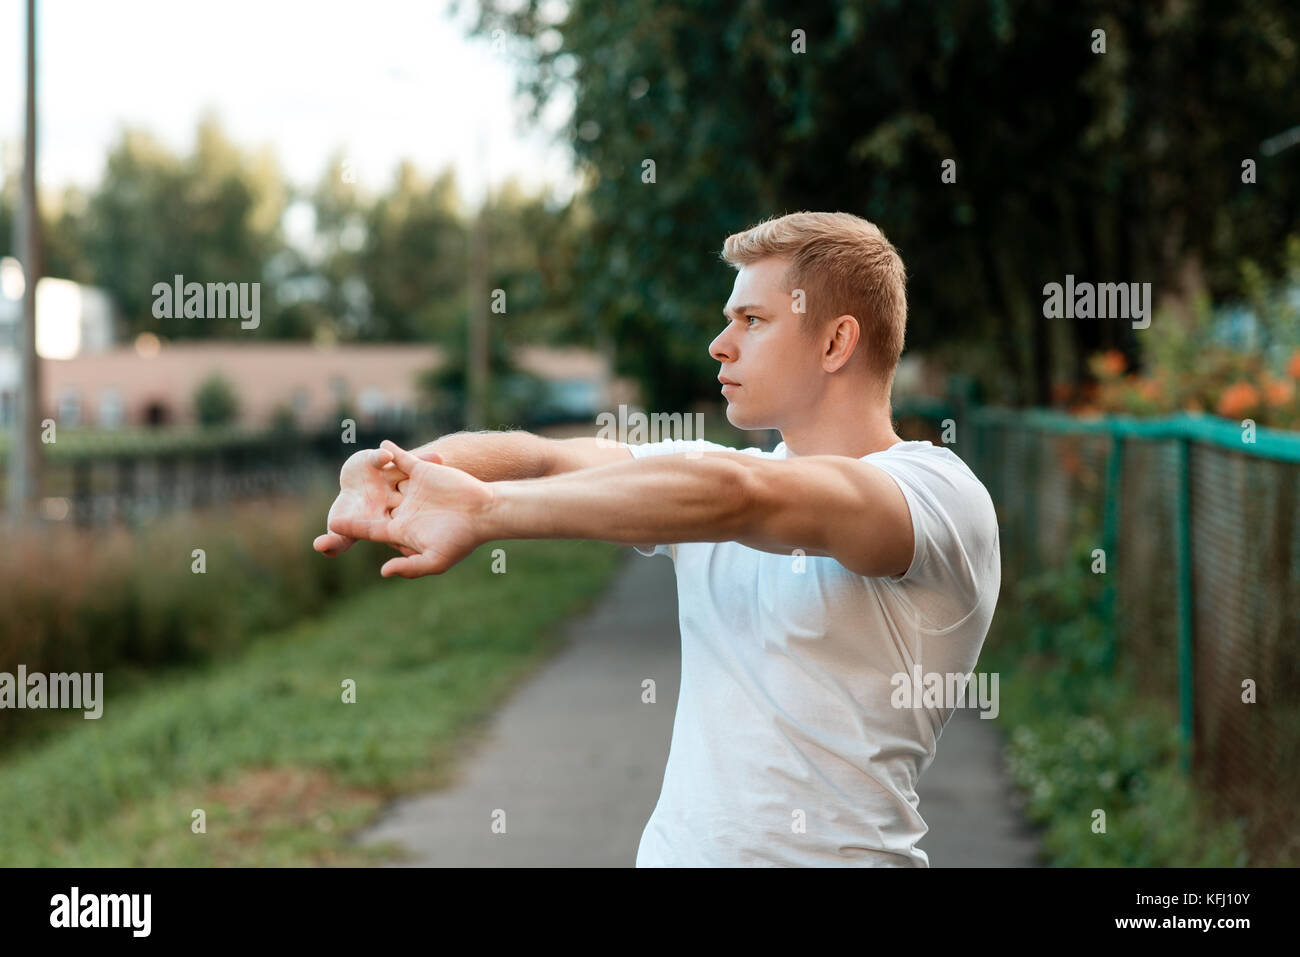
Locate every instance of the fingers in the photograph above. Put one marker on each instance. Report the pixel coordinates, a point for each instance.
(332, 544)
(371, 529)
(412, 566)
(391, 468)
(404, 459)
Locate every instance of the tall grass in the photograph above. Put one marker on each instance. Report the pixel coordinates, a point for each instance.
(95, 600)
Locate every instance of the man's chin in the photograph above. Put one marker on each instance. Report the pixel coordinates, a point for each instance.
(746, 423)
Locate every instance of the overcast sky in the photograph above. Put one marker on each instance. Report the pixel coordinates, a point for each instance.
(382, 80)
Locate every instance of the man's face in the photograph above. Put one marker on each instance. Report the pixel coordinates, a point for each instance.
(765, 349)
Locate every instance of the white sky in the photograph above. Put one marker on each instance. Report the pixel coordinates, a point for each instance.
(383, 80)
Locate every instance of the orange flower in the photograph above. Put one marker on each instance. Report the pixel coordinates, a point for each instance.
(1279, 393)
(1237, 399)
(1149, 389)
(1293, 367)
(1111, 363)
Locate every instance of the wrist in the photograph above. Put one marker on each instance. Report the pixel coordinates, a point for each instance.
(493, 519)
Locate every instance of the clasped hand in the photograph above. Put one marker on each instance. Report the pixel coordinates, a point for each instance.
(430, 512)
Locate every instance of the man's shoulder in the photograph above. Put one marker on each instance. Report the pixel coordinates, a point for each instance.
(924, 458)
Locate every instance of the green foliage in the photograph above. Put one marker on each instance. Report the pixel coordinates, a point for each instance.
(1207, 360)
(215, 402)
(1125, 765)
(392, 266)
(284, 422)
(212, 216)
(1119, 166)
(1083, 738)
(514, 396)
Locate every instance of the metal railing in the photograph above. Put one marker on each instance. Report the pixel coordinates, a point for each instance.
(1198, 520)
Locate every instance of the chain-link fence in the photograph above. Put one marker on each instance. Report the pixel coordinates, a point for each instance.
(1199, 523)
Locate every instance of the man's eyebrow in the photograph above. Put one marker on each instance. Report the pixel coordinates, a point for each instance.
(750, 307)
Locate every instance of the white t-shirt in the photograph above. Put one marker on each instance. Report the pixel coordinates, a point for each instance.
(786, 748)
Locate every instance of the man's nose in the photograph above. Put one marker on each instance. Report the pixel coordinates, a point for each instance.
(720, 348)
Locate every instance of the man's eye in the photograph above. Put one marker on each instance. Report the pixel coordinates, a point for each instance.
(751, 317)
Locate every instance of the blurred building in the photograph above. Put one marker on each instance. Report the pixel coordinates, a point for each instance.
(71, 320)
(153, 383)
(91, 380)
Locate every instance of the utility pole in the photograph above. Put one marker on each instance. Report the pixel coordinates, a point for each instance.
(478, 369)
(24, 453)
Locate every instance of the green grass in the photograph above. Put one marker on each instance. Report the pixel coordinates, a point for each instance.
(265, 746)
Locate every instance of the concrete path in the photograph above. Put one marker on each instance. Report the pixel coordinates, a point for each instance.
(974, 814)
(575, 759)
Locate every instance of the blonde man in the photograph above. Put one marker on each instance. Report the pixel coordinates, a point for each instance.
(810, 578)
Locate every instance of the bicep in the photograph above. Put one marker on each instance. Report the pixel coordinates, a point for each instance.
(848, 510)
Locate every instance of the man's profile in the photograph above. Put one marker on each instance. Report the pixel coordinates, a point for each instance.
(808, 577)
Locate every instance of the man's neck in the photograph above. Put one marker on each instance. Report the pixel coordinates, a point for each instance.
(873, 433)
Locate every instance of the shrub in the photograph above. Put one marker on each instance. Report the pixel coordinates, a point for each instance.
(215, 402)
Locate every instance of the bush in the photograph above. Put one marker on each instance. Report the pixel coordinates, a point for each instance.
(1201, 365)
(215, 402)
(1083, 739)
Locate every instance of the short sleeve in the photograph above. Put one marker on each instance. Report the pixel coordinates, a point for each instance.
(956, 560)
(674, 447)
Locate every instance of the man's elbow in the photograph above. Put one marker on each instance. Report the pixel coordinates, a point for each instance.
(752, 496)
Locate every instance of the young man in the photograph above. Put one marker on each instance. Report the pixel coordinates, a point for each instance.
(812, 580)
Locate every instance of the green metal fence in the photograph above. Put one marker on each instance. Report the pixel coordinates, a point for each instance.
(1199, 520)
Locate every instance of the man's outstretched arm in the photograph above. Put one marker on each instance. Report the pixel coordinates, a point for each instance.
(825, 505)
(505, 456)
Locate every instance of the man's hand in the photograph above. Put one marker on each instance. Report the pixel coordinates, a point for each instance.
(367, 490)
(435, 522)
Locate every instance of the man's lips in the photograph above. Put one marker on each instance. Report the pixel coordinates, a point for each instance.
(725, 381)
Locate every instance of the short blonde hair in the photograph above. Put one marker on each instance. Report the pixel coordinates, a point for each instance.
(845, 265)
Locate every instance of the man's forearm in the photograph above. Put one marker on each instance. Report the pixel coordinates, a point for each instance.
(493, 456)
(670, 498)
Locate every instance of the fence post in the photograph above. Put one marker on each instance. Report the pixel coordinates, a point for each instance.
(1110, 546)
(1031, 442)
(1183, 560)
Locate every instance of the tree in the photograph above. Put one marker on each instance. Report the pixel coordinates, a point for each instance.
(414, 259)
(1121, 166)
(213, 216)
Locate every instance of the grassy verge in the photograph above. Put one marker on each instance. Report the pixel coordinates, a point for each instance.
(263, 743)
(1083, 740)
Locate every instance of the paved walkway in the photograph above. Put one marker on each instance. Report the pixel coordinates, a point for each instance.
(575, 759)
